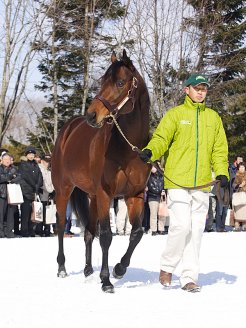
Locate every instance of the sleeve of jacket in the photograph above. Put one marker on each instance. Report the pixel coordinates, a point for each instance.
(39, 180)
(220, 151)
(162, 137)
(4, 178)
(16, 175)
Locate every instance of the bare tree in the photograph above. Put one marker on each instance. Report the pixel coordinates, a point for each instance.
(161, 46)
(21, 24)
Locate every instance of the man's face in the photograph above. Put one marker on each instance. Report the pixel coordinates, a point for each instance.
(197, 93)
(239, 160)
(37, 159)
(30, 156)
(241, 168)
(6, 161)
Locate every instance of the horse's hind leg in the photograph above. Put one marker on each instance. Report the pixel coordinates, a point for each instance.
(135, 211)
(88, 239)
(105, 239)
(89, 234)
(61, 204)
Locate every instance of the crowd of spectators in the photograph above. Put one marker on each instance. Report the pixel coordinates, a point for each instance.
(33, 173)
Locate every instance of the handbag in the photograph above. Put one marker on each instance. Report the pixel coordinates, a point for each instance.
(14, 192)
(230, 218)
(163, 209)
(50, 213)
(37, 211)
(239, 198)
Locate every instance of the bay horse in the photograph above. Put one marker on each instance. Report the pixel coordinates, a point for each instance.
(92, 163)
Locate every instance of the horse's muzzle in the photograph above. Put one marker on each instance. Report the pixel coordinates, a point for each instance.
(91, 119)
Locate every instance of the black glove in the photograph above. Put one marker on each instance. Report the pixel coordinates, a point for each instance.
(223, 181)
(145, 155)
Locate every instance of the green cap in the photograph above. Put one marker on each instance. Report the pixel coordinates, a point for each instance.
(196, 79)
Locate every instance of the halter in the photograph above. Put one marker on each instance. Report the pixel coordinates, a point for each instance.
(114, 108)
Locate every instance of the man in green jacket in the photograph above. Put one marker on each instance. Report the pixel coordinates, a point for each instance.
(192, 140)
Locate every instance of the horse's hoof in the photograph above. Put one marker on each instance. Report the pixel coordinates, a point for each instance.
(62, 274)
(119, 271)
(88, 270)
(108, 289)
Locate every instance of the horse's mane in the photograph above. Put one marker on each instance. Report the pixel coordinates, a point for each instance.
(115, 66)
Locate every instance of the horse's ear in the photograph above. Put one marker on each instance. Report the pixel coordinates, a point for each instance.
(124, 54)
(113, 57)
(127, 61)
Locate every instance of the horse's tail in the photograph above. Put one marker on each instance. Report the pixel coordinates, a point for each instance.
(80, 206)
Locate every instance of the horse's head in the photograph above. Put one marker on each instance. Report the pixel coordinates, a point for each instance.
(117, 93)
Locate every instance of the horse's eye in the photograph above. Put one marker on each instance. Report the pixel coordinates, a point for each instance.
(120, 83)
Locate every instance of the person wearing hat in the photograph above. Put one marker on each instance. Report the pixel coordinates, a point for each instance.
(43, 229)
(8, 174)
(31, 183)
(192, 140)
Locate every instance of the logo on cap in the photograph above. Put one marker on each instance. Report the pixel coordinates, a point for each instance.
(199, 77)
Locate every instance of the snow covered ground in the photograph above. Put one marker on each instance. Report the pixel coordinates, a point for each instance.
(31, 295)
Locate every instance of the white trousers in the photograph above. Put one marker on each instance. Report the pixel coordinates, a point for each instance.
(155, 218)
(112, 217)
(123, 224)
(187, 211)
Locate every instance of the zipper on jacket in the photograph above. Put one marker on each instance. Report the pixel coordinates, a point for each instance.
(197, 140)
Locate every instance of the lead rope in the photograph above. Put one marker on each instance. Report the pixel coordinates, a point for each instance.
(215, 183)
(134, 148)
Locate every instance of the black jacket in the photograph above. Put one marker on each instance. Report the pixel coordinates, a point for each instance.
(31, 178)
(155, 186)
(8, 174)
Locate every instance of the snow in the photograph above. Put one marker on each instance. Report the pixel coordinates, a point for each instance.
(31, 295)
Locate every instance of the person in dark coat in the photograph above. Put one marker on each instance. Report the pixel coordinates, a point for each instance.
(31, 183)
(8, 174)
(155, 190)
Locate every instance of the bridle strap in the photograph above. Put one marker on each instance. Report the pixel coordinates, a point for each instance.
(114, 108)
(105, 102)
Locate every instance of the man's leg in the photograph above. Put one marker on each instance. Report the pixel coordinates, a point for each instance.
(179, 207)
(190, 260)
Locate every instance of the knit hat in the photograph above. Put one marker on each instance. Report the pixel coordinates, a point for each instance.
(196, 79)
(30, 150)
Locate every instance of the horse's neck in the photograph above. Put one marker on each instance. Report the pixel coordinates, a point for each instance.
(138, 123)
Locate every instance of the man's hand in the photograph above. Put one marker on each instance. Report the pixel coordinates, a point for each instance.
(145, 155)
(223, 181)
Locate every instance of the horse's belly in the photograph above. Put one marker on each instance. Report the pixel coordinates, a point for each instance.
(129, 183)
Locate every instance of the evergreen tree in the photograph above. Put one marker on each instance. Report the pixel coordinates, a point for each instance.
(221, 29)
(74, 44)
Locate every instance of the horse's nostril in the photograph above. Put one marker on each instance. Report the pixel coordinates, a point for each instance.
(91, 117)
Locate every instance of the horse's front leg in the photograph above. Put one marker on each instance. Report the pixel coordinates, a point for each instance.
(105, 239)
(135, 207)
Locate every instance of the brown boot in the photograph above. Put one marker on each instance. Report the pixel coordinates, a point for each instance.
(165, 278)
(191, 287)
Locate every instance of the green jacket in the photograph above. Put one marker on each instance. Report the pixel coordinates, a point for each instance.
(192, 139)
